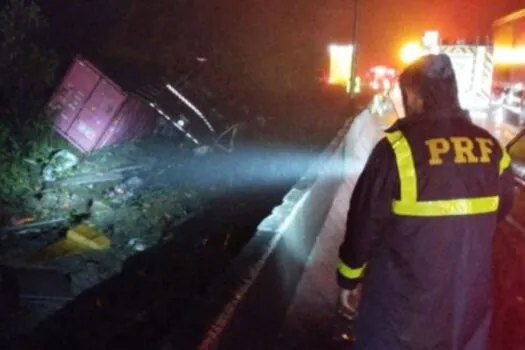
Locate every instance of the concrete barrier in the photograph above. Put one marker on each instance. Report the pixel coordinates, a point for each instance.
(266, 273)
(360, 141)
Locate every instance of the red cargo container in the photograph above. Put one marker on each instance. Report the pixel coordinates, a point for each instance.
(134, 119)
(94, 112)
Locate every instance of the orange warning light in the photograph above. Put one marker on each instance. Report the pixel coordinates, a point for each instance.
(411, 52)
(509, 55)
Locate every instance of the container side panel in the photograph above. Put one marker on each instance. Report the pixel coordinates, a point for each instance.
(96, 115)
(72, 93)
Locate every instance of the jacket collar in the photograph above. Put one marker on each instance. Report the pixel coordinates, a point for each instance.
(434, 115)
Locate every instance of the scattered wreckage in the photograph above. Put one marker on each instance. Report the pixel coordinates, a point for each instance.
(115, 187)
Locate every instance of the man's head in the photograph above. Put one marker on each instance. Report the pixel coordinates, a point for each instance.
(429, 84)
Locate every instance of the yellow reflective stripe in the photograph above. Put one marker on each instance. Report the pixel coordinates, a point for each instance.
(405, 165)
(452, 207)
(505, 161)
(349, 272)
(409, 205)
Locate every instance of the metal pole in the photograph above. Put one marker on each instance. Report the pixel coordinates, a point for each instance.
(353, 72)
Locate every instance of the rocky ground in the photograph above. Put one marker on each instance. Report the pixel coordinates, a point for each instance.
(137, 194)
(127, 193)
(134, 187)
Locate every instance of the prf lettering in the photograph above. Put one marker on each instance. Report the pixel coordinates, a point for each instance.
(465, 149)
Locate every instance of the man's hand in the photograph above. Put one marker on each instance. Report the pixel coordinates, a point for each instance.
(349, 301)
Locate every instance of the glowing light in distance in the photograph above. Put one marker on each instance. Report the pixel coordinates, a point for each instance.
(411, 52)
(340, 64)
(509, 55)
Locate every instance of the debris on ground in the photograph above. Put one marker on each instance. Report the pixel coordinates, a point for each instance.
(202, 150)
(78, 239)
(93, 213)
(125, 196)
(121, 193)
(60, 162)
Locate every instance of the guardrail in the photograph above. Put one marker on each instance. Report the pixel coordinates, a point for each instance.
(266, 274)
(261, 284)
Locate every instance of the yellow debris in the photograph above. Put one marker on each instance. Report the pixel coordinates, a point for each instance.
(78, 240)
(84, 235)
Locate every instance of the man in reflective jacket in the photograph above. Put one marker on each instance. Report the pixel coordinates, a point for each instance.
(421, 222)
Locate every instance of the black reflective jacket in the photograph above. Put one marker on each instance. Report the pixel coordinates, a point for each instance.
(427, 281)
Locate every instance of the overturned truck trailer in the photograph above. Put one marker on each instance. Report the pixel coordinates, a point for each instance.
(91, 111)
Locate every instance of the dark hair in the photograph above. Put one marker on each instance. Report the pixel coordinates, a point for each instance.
(433, 78)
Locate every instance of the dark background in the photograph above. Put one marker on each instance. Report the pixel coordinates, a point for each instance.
(271, 44)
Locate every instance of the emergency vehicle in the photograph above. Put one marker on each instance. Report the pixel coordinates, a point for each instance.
(509, 63)
(488, 74)
(381, 78)
(473, 65)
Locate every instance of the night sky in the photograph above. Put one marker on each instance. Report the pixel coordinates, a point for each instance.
(297, 27)
(284, 42)
(290, 36)
(393, 22)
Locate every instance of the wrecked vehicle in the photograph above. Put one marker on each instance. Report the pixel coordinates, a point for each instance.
(130, 172)
(92, 112)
